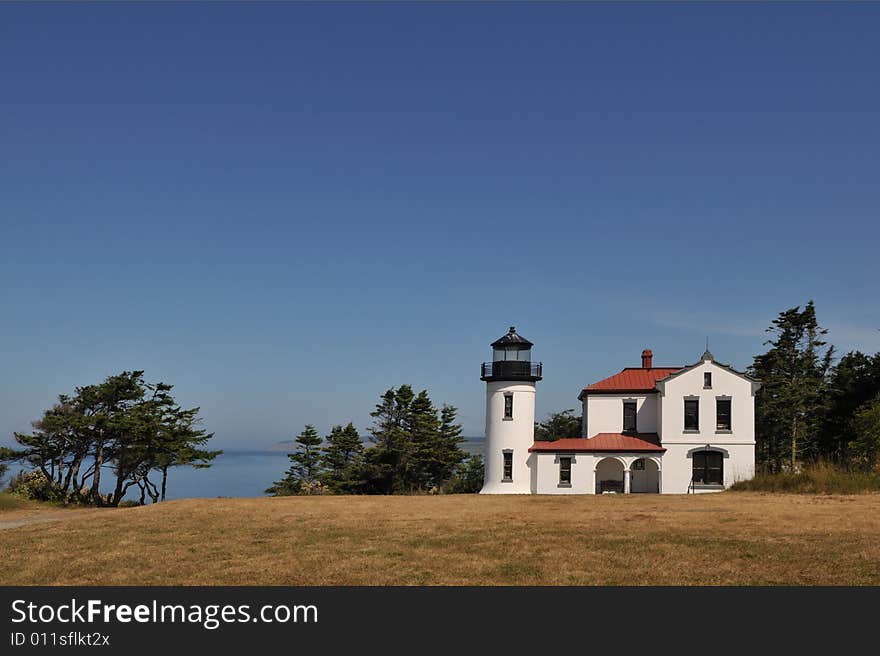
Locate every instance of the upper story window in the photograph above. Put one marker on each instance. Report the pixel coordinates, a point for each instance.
(691, 414)
(508, 406)
(565, 470)
(507, 475)
(722, 414)
(629, 416)
(707, 380)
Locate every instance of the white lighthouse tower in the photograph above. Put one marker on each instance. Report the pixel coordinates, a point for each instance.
(510, 415)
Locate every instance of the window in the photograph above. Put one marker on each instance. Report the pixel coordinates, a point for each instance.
(691, 414)
(629, 416)
(708, 468)
(565, 470)
(508, 406)
(707, 380)
(508, 466)
(722, 414)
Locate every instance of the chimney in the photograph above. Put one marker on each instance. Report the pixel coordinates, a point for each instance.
(647, 358)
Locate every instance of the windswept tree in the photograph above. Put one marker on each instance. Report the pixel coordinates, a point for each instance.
(790, 405)
(123, 426)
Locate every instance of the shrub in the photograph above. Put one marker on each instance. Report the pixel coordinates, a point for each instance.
(819, 478)
(35, 485)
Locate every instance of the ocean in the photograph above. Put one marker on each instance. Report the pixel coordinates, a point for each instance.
(237, 473)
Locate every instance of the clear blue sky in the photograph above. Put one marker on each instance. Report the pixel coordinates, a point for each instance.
(285, 209)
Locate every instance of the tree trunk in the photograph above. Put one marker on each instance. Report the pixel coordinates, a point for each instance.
(793, 444)
(164, 480)
(96, 478)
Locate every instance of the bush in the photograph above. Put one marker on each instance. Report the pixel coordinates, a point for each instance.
(820, 478)
(36, 486)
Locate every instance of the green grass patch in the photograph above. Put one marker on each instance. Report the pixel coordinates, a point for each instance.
(815, 479)
(12, 502)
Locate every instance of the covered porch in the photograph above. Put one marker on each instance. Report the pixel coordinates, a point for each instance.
(628, 474)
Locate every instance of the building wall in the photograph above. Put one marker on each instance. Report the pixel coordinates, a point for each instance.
(547, 467)
(515, 434)
(738, 459)
(737, 445)
(603, 413)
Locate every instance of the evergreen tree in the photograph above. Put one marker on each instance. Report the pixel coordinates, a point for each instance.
(790, 404)
(854, 381)
(865, 448)
(388, 461)
(422, 427)
(448, 454)
(559, 425)
(305, 466)
(468, 477)
(342, 459)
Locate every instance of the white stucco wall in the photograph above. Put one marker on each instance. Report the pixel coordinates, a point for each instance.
(516, 434)
(738, 444)
(547, 467)
(603, 413)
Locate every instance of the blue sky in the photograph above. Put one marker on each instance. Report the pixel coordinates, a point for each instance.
(285, 209)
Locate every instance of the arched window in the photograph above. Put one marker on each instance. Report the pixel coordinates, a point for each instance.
(708, 467)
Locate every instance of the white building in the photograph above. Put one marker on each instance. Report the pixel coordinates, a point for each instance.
(673, 430)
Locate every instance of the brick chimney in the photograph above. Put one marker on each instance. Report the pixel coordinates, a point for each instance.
(647, 358)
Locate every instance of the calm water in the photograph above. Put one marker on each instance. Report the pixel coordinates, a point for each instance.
(238, 474)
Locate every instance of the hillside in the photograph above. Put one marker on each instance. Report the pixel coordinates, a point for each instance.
(710, 539)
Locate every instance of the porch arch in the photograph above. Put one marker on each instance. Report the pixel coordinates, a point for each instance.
(609, 475)
(645, 476)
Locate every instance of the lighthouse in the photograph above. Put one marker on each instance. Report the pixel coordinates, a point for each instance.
(510, 415)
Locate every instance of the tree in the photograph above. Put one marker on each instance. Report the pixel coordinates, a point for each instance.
(559, 425)
(448, 454)
(341, 459)
(305, 466)
(125, 425)
(389, 459)
(790, 404)
(468, 478)
(865, 448)
(853, 382)
(413, 448)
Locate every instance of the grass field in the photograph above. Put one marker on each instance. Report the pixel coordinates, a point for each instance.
(727, 538)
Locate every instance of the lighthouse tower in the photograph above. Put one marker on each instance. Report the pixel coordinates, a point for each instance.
(510, 415)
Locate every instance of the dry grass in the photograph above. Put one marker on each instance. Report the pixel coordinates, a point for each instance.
(726, 538)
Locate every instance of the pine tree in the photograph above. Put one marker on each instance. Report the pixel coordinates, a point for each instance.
(854, 381)
(388, 460)
(341, 458)
(422, 428)
(865, 448)
(448, 455)
(305, 466)
(790, 404)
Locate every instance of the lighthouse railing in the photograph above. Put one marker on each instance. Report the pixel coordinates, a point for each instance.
(512, 369)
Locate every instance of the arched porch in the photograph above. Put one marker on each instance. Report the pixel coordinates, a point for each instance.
(644, 476)
(610, 475)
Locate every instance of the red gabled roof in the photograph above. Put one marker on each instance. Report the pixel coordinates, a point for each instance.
(640, 442)
(632, 379)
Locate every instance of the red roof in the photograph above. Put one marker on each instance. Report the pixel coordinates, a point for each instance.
(632, 379)
(641, 442)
